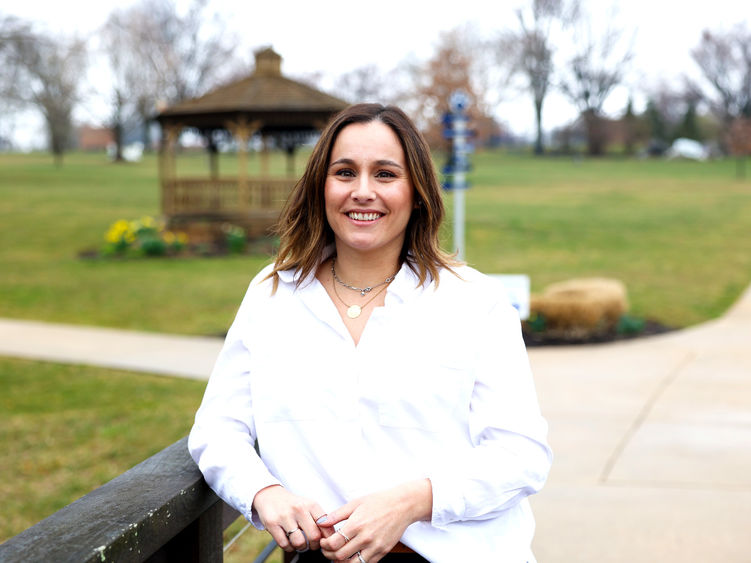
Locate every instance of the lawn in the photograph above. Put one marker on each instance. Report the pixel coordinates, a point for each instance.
(67, 429)
(675, 232)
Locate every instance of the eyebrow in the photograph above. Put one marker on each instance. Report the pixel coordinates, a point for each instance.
(350, 162)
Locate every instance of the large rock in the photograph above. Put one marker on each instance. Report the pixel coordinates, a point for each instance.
(580, 308)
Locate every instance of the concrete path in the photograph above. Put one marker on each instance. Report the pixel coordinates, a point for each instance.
(184, 356)
(652, 437)
(652, 442)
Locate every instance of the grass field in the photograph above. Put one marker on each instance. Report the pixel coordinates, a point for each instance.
(677, 234)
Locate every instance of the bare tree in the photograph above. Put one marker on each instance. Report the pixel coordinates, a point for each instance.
(596, 68)
(725, 61)
(45, 73)
(12, 30)
(159, 57)
(529, 51)
(134, 85)
(362, 84)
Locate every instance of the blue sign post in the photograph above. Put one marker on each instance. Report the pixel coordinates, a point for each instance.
(455, 128)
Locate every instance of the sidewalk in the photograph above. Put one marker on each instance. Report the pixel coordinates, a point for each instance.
(652, 437)
(652, 442)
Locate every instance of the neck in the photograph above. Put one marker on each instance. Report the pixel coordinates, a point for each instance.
(363, 270)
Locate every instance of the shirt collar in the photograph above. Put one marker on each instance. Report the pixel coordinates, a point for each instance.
(292, 276)
(405, 286)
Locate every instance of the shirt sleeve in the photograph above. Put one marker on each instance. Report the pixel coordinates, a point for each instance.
(222, 440)
(509, 458)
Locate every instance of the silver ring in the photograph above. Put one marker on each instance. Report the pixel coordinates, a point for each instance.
(292, 532)
(307, 542)
(360, 557)
(346, 539)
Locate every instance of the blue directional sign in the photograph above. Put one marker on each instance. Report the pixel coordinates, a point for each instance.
(456, 129)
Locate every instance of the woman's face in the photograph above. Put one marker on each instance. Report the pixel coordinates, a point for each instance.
(368, 193)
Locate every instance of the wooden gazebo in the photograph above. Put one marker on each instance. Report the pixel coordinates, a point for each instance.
(266, 104)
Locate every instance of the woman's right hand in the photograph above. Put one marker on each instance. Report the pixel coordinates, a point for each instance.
(282, 512)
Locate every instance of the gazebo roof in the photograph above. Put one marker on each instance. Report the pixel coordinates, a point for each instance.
(279, 103)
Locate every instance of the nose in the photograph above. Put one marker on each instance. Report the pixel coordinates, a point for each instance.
(363, 190)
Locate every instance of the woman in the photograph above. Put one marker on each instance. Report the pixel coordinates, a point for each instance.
(386, 386)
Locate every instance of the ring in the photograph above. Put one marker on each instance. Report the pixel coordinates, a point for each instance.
(307, 542)
(360, 557)
(292, 532)
(346, 539)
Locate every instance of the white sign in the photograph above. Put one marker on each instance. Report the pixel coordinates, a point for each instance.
(517, 289)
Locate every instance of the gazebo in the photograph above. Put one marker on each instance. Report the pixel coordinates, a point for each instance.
(265, 103)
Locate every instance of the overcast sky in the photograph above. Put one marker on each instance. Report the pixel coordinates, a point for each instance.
(333, 37)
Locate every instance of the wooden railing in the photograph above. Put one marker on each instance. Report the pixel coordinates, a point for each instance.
(224, 195)
(161, 510)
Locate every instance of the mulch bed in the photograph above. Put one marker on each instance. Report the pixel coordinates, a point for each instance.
(534, 339)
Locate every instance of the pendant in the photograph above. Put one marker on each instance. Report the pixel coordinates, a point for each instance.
(354, 311)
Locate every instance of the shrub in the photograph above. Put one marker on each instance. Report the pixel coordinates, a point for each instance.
(235, 238)
(146, 236)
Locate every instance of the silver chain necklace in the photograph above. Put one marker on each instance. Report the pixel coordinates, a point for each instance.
(363, 290)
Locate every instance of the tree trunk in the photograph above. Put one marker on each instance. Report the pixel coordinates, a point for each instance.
(596, 134)
(539, 148)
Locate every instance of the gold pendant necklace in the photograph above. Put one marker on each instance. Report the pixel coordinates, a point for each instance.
(354, 311)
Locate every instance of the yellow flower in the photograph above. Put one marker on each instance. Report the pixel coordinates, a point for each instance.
(169, 237)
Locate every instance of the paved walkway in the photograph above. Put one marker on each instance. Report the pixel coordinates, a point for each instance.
(652, 437)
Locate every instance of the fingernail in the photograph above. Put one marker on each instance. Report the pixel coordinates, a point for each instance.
(322, 519)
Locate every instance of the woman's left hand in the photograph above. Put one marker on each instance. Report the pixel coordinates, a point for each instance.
(374, 523)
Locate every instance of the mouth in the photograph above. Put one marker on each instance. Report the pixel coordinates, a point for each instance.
(364, 216)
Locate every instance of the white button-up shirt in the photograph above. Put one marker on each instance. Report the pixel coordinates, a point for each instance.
(439, 386)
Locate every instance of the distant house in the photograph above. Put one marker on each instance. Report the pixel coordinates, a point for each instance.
(94, 138)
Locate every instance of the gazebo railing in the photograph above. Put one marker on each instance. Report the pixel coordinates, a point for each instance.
(192, 196)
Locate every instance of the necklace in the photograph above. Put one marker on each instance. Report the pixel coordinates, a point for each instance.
(362, 290)
(353, 311)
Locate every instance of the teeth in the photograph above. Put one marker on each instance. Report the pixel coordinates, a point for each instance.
(363, 216)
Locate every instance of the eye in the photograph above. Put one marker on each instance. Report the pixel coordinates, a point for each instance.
(385, 174)
(346, 172)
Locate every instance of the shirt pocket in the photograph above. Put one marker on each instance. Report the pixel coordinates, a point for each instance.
(430, 397)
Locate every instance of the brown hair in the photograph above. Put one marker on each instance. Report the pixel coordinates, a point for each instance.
(303, 229)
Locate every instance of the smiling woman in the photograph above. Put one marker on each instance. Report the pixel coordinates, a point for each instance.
(386, 385)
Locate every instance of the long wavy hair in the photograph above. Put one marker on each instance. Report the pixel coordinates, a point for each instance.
(304, 231)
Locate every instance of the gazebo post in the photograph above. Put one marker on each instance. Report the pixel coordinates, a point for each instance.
(213, 155)
(168, 166)
(242, 131)
(265, 173)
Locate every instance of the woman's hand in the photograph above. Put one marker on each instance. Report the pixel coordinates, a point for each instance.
(374, 523)
(282, 512)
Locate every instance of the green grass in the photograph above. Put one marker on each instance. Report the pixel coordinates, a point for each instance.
(675, 232)
(68, 429)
